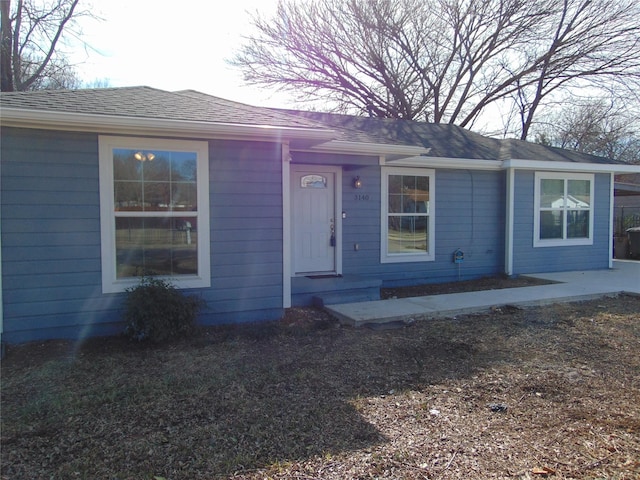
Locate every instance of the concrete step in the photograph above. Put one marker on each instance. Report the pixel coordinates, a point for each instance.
(333, 290)
(346, 296)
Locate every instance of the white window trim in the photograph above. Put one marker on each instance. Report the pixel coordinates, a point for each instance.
(106, 145)
(385, 256)
(564, 242)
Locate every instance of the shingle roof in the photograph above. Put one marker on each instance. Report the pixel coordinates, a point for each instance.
(443, 140)
(521, 150)
(146, 102)
(446, 140)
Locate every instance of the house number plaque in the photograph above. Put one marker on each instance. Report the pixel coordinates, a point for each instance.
(361, 197)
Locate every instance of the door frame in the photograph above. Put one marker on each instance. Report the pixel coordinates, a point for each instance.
(337, 205)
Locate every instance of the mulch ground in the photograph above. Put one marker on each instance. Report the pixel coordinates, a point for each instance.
(550, 392)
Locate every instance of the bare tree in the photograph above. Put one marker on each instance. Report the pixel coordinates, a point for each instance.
(32, 34)
(444, 60)
(597, 126)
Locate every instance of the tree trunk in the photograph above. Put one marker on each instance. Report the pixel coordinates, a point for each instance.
(6, 80)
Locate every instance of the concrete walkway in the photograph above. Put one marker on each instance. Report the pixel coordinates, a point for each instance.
(571, 286)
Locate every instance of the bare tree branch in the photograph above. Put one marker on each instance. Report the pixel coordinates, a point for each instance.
(595, 126)
(444, 60)
(32, 34)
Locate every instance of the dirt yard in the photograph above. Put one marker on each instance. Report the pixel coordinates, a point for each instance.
(550, 392)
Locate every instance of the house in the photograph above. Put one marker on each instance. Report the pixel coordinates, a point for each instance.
(258, 209)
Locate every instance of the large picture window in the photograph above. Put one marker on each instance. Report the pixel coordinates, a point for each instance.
(154, 211)
(564, 211)
(407, 215)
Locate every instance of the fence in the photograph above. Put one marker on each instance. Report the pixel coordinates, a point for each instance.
(624, 218)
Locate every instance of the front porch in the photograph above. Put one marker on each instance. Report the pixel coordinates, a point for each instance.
(330, 290)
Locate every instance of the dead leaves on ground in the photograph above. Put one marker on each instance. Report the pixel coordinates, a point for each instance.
(549, 392)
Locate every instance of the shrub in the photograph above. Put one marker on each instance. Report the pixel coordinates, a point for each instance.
(156, 311)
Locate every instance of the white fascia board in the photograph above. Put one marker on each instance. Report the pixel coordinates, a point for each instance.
(374, 149)
(570, 166)
(445, 162)
(475, 164)
(83, 122)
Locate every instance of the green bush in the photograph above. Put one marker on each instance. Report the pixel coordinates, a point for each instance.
(156, 311)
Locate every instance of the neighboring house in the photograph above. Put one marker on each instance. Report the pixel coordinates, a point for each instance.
(258, 209)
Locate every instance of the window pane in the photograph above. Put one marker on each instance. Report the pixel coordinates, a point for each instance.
(407, 234)
(551, 193)
(184, 167)
(158, 169)
(395, 184)
(579, 192)
(578, 224)
(183, 197)
(313, 181)
(551, 224)
(127, 196)
(147, 181)
(156, 196)
(408, 194)
(156, 246)
(395, 194)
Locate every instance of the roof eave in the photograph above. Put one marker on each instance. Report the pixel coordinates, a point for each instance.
(449, 162)
(522, 164)
(116, 124)
(390, 152)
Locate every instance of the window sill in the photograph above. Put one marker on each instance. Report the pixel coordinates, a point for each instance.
(406, 258)
(562, 243)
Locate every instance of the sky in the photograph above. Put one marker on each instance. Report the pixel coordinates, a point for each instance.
(171, 46)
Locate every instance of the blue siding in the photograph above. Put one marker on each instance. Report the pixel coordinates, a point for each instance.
(527, 259)
(50, 210)
(246, 233)
(469, 215)
(51, 236)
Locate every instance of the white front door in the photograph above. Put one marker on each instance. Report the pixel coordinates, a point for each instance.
(314, 222)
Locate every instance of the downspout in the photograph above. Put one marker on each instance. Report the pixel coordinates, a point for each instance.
(286, 225)
(612, 188)
(509, 215)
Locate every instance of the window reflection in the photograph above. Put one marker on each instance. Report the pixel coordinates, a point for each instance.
(165, 183)
(564, 208)
(408, 214)
(156, 246)
(146, 182)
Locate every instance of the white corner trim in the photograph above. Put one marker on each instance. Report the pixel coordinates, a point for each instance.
(611, 215)
(510, 219)
(286, 226)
